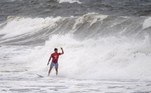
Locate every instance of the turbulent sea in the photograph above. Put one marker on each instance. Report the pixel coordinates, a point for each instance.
(107, 45)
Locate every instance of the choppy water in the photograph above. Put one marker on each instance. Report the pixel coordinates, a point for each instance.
(107, 46)
(46, 8)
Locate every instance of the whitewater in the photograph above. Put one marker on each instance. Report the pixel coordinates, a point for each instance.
(103, 53)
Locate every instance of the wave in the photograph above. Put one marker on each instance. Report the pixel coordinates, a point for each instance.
(33, 30)
(96, 46)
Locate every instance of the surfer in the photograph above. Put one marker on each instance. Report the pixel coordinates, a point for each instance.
(54, 63)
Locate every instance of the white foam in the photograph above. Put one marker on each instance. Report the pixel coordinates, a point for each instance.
(92, 18)
(19, 26)
(104, 58)
(147, 23)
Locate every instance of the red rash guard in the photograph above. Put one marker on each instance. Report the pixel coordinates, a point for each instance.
(55, 57)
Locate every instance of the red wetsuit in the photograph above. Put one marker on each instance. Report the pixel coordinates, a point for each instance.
(55, 57)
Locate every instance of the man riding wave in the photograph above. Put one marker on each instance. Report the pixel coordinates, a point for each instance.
(54, 63)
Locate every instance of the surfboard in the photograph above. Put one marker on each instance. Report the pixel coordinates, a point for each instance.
(39, 75)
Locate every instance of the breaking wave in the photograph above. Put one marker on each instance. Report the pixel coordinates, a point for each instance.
(96, 46)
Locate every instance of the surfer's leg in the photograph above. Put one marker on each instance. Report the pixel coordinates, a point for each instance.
(56, 67)
(51, 66)
(49, 71)
(56, 71)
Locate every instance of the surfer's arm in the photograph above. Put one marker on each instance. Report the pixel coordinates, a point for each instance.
(49, 60)
(62, 51)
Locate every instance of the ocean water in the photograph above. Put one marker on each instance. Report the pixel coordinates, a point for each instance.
(104, 53)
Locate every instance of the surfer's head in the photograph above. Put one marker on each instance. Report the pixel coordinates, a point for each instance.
(56, 50)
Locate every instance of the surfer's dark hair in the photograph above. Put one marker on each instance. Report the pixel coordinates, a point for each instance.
(55, 49)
